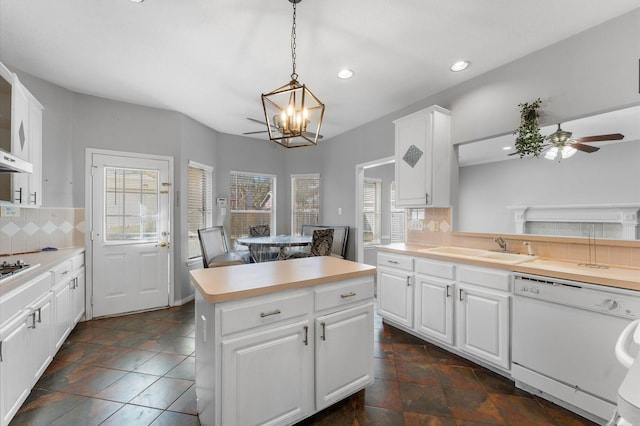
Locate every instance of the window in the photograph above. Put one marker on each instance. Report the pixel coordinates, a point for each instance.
(252, 200)
(371, 211)
(131, 204)
(199, 203)
(398, 217)
(305, 201)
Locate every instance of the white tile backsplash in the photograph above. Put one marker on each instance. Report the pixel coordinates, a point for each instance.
(35, 229)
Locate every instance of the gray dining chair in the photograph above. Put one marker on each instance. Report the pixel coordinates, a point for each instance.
(213, 244)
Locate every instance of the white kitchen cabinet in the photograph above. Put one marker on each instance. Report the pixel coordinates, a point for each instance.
(270, 371)
(424, 159)
(483, 306)
(26, 143)
(77, 288)
(285, 355)
(14, 365)
(435, 291)
(62, 288)
(395, 288)
(41, 331)
(344, 354)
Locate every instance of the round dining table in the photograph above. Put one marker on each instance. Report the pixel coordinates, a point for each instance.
(280, 241)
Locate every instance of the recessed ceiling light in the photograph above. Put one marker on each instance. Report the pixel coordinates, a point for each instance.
(506, 148)
(460, 66)
(136, 1)
(345, 73)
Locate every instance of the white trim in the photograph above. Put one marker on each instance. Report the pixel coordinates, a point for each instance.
(88, 204)
(184, 300)
(360, 168)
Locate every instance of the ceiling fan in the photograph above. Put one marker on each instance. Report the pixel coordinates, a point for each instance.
(274, 128)
(560, 144)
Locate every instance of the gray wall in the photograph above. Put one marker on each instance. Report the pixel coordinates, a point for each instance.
(591, 72)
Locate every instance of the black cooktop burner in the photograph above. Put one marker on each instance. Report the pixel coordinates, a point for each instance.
(9, 269)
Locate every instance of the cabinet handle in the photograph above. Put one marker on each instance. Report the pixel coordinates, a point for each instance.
(64, 273)
(1, 359)
(448, 288)
(33, 319)
(350, 294)
(39, 314)
(394, 262)
(323, 335)
(408, 281)
(306, 335)
(426, 198)
(267, 314)
(460, 294)
(19, 191)
(35, 198)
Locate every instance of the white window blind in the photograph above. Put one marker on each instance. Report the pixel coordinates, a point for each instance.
(305, 201)
(371, 211)
(199, 203)
(398, 219)
(252, 199)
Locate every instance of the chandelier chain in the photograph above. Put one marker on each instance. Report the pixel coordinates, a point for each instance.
(294, 75)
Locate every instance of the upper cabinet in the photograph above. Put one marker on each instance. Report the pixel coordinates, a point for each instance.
(424, 158)
(21, 135)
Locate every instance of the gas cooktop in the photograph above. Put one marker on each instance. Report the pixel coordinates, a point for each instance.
(11, 269)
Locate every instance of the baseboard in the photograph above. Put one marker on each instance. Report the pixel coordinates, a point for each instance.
(183, 301)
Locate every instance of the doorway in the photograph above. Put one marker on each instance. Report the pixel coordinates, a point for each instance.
(129, 251)
(363, 171)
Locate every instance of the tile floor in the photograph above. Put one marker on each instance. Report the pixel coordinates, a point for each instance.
(139, 370)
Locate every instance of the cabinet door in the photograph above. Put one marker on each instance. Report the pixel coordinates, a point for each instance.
(434, 308)
(34, 191)
(62, 312)
(77, 297)
(413, 159)
(395, 296)
(267, 377)
(14, 366)
(483, 324)
(344, 354)
(41, 336)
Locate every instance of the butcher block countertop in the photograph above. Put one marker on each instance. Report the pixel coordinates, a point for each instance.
(255, 279)
(619, 277)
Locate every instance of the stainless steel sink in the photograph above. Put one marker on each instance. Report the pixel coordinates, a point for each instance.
(480, 254)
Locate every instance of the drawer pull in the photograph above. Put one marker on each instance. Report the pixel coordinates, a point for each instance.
(395, 262)
(33, 318)
(350, 294)
(64, 273)
(323, 335)
(306, 335)
(268, 314)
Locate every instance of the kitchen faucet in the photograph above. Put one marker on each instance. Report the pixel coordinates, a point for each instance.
(502, 243)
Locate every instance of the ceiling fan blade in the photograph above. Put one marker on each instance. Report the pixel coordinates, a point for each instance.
(584, 148)
(255, 133)
(601, 138)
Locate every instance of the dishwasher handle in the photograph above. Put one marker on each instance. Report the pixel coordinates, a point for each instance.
(624, 342)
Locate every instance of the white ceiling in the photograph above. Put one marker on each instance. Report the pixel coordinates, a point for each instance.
(211, 59)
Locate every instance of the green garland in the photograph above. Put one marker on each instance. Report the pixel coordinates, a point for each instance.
(529, 141)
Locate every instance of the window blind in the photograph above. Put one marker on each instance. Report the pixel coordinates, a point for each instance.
(371, 211)
(398, 219)
(251, 202)
(199, 204)
(305, 201)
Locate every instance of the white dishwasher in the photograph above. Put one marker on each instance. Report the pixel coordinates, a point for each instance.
(563, 341)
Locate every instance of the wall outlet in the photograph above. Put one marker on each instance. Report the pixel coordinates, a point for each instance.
(415, 225)
(9, 211)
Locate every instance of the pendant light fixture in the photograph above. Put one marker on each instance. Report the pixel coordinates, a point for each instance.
(293, 114)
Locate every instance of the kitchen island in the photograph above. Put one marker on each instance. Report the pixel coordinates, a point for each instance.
(277, 342)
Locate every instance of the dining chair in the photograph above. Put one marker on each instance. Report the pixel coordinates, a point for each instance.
(340, 237)
(213, 244)
(321, 244)
(261, 253)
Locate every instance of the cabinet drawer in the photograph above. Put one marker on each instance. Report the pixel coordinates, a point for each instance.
(435, 268)
(395, 261)
(24, 295)
(329, 296)
(77, 262)
(264, 310)
(62, 271)
(490, 278)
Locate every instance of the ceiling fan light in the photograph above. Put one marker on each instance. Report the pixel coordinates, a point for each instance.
(552, 154)
(568, 151)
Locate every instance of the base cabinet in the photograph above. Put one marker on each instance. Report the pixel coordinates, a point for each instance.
(14, 366)
(395, 288)
(271, 372)
(277, 359)
(434, 308)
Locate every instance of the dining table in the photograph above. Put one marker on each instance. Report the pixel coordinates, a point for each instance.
(279, 241)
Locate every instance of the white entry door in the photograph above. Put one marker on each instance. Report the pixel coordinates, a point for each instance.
(130, 236)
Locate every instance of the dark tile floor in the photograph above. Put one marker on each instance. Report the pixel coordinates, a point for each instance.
(139, 370)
